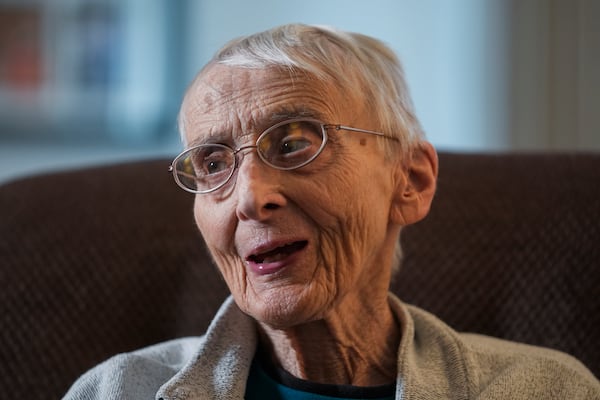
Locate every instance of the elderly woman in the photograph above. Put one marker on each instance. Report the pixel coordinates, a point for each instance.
(307, 160)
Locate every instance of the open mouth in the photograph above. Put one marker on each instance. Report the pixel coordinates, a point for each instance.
(278, 253)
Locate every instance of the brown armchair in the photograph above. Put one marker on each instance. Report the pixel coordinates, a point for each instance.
(104, 260)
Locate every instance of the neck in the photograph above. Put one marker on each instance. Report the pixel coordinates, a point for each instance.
(356, 344)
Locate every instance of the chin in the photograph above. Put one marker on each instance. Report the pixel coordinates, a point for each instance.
(286, 310)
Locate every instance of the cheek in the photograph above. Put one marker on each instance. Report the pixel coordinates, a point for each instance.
(215, 222)
(351, 213)
(218, 230)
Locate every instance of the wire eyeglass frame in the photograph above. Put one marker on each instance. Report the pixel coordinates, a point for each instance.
(233, 152)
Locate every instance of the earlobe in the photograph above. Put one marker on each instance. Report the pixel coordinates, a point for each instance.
(415, 188)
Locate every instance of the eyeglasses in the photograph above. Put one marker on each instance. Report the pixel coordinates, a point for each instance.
(287, 145)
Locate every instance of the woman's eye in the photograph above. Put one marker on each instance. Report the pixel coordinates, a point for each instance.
(293, 144)
(211, 160)
(213, 166)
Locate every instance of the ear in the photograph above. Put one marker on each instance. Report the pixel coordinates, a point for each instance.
(415, 186)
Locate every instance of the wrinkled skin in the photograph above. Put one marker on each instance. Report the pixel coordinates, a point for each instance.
(347, 207)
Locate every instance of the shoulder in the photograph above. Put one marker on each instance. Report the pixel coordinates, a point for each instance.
(146, 370)
(500, 368)
(543, 372)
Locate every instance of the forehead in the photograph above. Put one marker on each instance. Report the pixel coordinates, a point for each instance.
(235, 99)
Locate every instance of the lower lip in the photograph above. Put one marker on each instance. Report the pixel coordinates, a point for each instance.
(272, 267)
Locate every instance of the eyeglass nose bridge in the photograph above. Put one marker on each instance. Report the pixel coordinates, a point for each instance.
(239, 150)
(237, 160)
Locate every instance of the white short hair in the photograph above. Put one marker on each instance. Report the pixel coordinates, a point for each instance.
(362, 65)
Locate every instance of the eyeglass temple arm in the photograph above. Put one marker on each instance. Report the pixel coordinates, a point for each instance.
(349, 128)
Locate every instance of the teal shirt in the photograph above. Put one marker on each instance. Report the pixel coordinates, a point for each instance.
(261, 385)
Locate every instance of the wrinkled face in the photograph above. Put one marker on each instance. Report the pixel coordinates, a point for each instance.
(292, 245)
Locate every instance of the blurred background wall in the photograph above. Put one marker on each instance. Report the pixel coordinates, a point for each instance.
(96, 81)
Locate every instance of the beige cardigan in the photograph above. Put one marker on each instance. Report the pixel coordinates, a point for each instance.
(434, 362)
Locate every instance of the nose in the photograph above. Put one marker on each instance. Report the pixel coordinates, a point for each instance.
(258, 189)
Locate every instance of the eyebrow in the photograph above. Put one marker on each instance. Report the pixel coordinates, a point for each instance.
(290, 113)
(209, 139)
